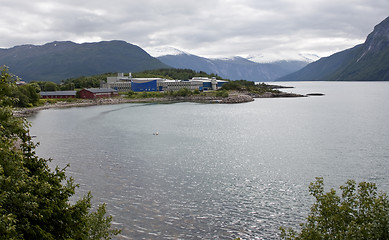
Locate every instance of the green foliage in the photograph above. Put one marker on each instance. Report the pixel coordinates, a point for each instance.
(222, 93)
(182, 92)
(67, 86)
(131, 94)
(50, 87)
(46, 86)
(17, 96)
(57, 61)
(26, 95)
(233, 85)
(373, 66)
(248, 86)
(94, 81)
(84, 82)
(365, 62)
(140, 95)
(7, 87)
(34, 200)
(359, 213)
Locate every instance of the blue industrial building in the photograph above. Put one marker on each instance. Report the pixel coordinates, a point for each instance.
(123, 84)
(144, 86)
(207, 85)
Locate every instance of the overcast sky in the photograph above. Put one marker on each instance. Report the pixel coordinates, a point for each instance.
(210, 28)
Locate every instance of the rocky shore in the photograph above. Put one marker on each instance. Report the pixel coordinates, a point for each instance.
(232, 99)
(237, 99)
(277, 95)
(24, 112)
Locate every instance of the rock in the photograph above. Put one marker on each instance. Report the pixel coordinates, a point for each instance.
(237, 99)
(278, 95)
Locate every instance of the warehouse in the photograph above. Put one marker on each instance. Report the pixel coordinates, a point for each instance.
(175, 85)
(123, 83)
(92, 93)
(144, 85)
(58, 94)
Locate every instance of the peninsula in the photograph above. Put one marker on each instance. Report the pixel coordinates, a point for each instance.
(158, 86)
(218, 97)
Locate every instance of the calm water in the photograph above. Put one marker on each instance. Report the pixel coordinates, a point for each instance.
(220, 171)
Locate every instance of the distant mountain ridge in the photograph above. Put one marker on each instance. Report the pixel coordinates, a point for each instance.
(365, 62)
(58, 61)
(61, 60)
(234, 68)
(270, 57)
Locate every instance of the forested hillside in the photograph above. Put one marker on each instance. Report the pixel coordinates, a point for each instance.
(57, 61)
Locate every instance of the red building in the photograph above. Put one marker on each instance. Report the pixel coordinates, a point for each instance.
(92, 93)
(58, 94)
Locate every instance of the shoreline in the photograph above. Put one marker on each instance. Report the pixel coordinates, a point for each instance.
(234, 98)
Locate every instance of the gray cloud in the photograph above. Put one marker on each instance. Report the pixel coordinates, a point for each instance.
(204, 27)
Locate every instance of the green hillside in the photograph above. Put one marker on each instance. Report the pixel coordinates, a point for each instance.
(57, 61)
(366, 62)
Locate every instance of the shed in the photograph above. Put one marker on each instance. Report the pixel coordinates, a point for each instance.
(91, 93)
(58, 94)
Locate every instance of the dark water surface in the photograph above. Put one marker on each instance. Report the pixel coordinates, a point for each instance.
(220, 171)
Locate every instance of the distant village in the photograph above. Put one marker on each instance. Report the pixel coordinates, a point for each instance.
(114, 85)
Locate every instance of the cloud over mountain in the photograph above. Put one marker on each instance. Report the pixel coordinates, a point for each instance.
(206, 28)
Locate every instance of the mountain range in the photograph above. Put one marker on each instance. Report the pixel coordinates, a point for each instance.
(234, 68)
(61, 60)
(58, 61)
(365, 62)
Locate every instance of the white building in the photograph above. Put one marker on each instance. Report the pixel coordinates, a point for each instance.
(123, 83)
(175, 85)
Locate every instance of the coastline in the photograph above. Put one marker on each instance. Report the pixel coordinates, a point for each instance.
(232, 99)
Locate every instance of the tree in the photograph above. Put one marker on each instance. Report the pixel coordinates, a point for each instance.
(359, 213)
(26, 95)
(7, 87)
(34, 200)
(222, 93)
(18, 96)
(183, 92)
(50, 86)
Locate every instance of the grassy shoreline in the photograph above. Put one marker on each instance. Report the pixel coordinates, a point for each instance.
(24, 112)
(233, 97)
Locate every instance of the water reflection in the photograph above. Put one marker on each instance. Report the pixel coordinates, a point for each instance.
(218, 171)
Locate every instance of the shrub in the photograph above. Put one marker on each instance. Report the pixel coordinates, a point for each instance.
(222, 93)
(34, 199)
(359, 213)
(183, 92)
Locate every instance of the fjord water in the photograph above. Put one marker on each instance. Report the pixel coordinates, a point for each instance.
(220, 171)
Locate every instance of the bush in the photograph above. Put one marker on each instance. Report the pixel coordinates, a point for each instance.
(130, 94)
(26, 96)
(34, 200)
(222, 93)
(359, 213)
(183, 92)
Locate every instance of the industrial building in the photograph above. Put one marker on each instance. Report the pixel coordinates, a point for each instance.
(58, 94)
(93, 93)
(123, 83)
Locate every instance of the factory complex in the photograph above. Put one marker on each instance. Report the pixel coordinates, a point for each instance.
(123, 83)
